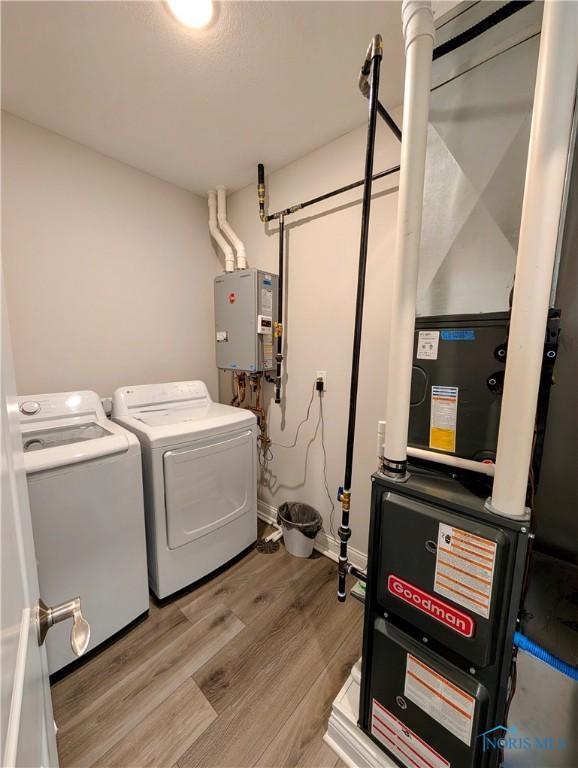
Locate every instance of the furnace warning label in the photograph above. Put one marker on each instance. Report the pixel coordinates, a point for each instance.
(402, 742)
(427, 345)
(443, 418)
(465, 569)
(443, 701)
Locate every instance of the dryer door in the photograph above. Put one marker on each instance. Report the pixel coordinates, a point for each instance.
(208, 485)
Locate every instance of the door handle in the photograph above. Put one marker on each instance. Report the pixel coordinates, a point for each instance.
(48, 617)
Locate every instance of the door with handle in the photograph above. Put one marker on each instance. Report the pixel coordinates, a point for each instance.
(27, 736)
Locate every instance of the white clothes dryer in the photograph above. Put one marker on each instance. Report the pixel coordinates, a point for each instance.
(200, 478)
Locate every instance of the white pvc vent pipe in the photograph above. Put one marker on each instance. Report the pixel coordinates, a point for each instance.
(439, 458)
(216, 233)
(238, 244)
(418, 29)
(550, 138)
(456, 462)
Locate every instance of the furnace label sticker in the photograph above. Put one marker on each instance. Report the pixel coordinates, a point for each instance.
(459, 334)
(427, 345)
(447, 704)
(443, 419)
(465, 566)
(402, 742)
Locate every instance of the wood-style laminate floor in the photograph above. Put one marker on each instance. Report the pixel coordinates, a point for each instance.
(240, 671)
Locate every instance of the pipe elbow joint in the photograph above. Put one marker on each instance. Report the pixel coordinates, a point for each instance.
(376, 46)
(375, 49)
(364, 85)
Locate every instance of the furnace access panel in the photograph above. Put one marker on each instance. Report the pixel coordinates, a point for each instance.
(245, 317)
(444, 588)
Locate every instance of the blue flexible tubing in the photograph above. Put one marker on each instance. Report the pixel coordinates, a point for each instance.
(525, 644)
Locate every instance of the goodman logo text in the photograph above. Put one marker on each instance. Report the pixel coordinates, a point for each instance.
(460, 622)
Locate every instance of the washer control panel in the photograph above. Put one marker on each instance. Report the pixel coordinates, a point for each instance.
(60, 405)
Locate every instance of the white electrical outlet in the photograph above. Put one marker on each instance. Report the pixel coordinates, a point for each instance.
(323, 376)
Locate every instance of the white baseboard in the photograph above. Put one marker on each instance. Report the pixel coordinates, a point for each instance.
(324, 543)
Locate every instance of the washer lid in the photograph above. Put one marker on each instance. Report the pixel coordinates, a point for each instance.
(63, 444)
(39, 439)
(64, 428)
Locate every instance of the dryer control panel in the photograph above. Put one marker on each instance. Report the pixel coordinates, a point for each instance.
(129, 399)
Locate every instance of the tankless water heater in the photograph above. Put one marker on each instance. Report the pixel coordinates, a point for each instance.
(245, 317)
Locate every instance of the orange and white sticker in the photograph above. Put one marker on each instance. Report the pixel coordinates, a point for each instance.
(442, 700)
(465, 569)
(402, 742)
(443, 419)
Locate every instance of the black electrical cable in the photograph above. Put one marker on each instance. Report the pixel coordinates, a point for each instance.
(301, 423)
(293, 444)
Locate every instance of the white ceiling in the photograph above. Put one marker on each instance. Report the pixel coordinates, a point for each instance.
(268, 81)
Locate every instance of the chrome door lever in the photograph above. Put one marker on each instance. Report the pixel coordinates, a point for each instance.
(48, 617)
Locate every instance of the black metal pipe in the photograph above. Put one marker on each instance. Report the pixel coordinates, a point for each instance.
(345, 493)
(279, 323)
(333, 193)
(261, 190)
(374, 49)
(390, 122)
(376, 45)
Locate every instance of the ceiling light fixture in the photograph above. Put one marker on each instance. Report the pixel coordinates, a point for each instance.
(194, 14)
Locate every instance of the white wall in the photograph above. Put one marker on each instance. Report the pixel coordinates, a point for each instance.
(322, 260)
(108, 270)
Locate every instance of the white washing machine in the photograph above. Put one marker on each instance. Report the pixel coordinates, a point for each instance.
(85, 485)
(200, 478)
